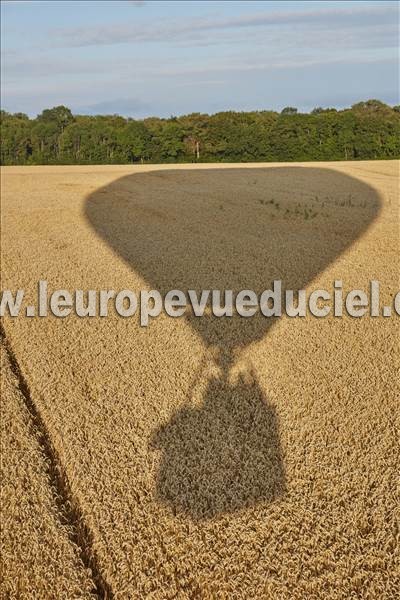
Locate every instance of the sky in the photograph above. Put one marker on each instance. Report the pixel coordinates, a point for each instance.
(161, 58)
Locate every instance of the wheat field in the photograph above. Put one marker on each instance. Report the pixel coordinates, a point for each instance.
(201, 458)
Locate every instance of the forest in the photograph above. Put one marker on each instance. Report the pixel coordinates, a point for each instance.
(368, 130)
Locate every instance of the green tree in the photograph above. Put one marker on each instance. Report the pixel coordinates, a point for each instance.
(368, 130)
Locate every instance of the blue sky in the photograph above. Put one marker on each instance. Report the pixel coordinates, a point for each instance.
(169, 58)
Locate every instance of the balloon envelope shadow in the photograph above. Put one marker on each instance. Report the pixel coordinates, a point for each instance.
(228, 229)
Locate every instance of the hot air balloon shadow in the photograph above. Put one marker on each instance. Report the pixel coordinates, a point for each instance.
(183, 229)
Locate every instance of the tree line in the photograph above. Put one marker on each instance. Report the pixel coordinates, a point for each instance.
(367, 130)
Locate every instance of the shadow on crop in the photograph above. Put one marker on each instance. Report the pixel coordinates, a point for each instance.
(234, 229)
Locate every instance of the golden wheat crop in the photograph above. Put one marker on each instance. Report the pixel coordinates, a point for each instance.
(212, 458)
(39, 560)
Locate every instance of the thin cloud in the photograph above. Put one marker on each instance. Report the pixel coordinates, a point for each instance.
(16, 67)
(345, 37)
(273, 66)
(201, 82)
(212, 74)
(358, 16)
(121, 106)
